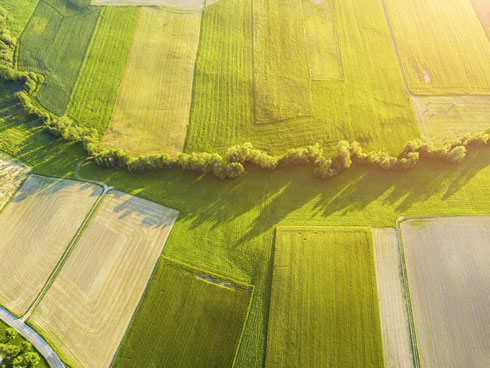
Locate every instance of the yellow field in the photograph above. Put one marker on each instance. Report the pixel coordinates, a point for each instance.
(152, 109)
(392, 309)
(442, 46)
(281, 70)
(446, 117)
(482, 9)
(172, 4)
(36, 228)
(320, 22)
(11, 176)
(448, 271)
(87, 310)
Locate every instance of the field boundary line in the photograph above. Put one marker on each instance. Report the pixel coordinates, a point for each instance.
(33, 337)
(163, 7)
(66, 253)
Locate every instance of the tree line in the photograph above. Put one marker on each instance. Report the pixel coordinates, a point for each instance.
(232, 163)
(15, 354)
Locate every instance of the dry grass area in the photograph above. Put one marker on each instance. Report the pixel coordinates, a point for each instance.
(87, 310)
(153, 106)
(320, 22)
(171, 4)
(12, 174)
(37, 226)
(392, 309)
(448, 267)
(482, 9)
(441, 117)
(280, 59)
(442, 46)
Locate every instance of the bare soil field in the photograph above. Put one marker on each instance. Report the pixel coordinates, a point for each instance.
(37, 226)
(11, 175)
(87, 310)
(448, 269)
(441, 117)
(320, 22)
(153, 105)
(395, 331)
(482, 9)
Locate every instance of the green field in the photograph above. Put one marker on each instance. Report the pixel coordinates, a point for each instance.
(186, 320)
(95, 93)
(19, 12)
(371, 105)
(17, 341)
(324, 303)
(54, 44)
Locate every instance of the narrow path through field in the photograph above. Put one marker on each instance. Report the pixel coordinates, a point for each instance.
(34, 338)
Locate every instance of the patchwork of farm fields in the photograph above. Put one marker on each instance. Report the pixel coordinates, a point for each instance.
(324, 305)
(448, 267)
(188, 318)
(37, 226)
(87, 309)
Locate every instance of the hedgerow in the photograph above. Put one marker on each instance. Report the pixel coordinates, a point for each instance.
(232, 163)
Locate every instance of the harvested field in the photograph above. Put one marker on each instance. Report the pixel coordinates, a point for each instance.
(37, 226)
(324, 303)
(320, 22)
(54, 44)
(12, 174)
(87, 310)
(95, 93)
(482, 9)
(152, 109)
(397, 348)
(442, 46)
(171, 4)
(188, 318)
(281, 69)
(448, 267)
(441, 117)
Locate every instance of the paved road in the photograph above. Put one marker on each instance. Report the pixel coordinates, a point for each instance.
(35, 339)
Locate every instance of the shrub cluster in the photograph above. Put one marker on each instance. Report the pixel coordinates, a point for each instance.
(7, 42)
(15, 354)
(232, 163)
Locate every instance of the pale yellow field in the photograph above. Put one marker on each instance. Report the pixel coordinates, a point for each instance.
(482, 9)
(442, 46)
(441, 117)
(448, 269)
(152, 109)
(87, 310)
(392, 309)
(11, 175)
(37, 226)
(320, 22)
(172, 4)
(281, 70)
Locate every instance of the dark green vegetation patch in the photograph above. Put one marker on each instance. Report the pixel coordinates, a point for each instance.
(188, 318)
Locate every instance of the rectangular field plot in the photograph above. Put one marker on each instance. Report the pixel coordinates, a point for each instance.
(171, 4)
(320, 21)
(153, 106)
(397, 348)
(87, 310)
(280, 57)
(37, 226)
(95, 93)
(442, 46)
(11, 175)
(449, 117)
(448, 269)
(482, 9)
(324, 304)
(54, 44)
(188, 318)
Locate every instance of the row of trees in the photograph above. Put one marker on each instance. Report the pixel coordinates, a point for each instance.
(232, 163)
(16, 354)
(7, 42)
